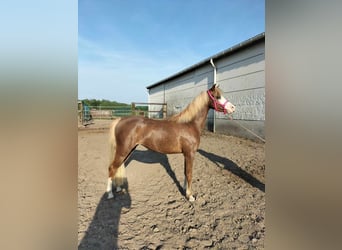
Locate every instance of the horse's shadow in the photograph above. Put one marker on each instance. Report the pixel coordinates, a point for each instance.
(149, 157)
(103, 230)
(233, 168)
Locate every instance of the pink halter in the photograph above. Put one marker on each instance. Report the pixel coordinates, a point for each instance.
(217, 104)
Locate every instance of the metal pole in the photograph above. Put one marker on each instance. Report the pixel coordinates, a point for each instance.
(214, 118)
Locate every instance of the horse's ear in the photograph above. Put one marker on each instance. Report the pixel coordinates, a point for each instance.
(214, 86)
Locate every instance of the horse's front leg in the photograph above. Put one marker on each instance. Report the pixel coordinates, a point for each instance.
(188, 162)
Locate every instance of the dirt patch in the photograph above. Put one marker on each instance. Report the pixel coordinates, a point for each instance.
(228, 182)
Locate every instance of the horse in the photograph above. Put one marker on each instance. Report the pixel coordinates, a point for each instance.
(179, 133)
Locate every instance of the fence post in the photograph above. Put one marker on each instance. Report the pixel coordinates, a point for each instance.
(133, 108)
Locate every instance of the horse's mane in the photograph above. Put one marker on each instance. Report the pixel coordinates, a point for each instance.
(189, 113)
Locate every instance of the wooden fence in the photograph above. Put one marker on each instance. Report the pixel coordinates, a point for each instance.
(151, 110)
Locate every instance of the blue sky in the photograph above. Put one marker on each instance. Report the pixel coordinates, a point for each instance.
(126, 45)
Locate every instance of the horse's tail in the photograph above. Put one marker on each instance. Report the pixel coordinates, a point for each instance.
(120, 176)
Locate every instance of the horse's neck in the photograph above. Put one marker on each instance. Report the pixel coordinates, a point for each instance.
(200, 118)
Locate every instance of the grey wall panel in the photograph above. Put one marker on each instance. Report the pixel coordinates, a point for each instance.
(241, 76)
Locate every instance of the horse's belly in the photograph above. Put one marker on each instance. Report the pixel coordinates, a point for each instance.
(164, 142)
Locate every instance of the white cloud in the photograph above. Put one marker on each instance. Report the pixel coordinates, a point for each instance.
(106, 73)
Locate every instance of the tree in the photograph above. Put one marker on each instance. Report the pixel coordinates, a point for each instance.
(102, 103)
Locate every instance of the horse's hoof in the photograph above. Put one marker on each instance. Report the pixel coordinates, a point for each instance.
(191, 198)
(110, 196)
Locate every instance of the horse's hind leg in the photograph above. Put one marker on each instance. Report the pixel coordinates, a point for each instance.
(120, 178)
(112, 170)
(111, 174)
(118, 162)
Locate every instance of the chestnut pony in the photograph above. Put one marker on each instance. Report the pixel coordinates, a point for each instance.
(177, 134)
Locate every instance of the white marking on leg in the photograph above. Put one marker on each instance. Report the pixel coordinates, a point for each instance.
(118, 189)
(191, 198)
(188, 192)
(109, 184)
(109, 188)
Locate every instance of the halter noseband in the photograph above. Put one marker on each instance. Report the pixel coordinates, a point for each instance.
(217, 105)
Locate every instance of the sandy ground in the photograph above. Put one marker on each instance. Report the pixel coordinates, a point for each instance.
(228, 183)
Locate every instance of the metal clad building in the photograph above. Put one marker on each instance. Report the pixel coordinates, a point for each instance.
(240, 72)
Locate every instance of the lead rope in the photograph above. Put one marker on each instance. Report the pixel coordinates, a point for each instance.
(250, 131)
(230, 117)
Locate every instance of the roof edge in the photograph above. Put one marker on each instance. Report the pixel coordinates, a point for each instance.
(232, 49)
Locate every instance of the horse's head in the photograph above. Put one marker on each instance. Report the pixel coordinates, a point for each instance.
(218, 102)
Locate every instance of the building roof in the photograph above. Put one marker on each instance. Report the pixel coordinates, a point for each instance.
(228, 51)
